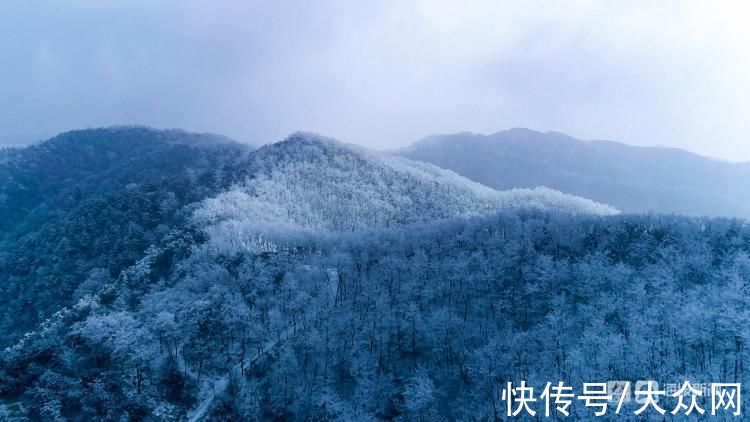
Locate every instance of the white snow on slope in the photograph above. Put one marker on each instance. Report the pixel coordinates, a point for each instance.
(309, 182)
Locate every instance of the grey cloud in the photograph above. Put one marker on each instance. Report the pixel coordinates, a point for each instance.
(379, 73)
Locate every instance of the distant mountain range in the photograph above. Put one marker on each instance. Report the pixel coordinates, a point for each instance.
(633, 179)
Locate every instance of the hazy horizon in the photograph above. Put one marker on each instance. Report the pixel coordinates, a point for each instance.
(394, 149)
(382, 75)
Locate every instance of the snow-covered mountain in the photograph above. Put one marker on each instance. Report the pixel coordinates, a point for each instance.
(78, 208)
(633, 179)
(158, 275)
(312, 182)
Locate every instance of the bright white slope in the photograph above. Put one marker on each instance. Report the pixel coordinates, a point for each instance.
(309, 182)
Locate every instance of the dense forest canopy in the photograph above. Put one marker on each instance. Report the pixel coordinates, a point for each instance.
(78, 209)
(312, 280)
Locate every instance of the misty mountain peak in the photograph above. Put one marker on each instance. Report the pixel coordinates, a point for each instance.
(136, 134)
(631, 178)
(518, 132)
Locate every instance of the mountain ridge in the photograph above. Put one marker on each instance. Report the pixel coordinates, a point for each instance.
(532, 133)
(58, 199)
(311, 182)
(631, 178)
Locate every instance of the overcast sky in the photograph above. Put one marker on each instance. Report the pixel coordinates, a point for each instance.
(381, 73)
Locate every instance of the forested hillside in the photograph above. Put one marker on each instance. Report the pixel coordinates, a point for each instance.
(78, 209)
(81, 207)
(633, 179)
(314, 280)
(419, 321)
